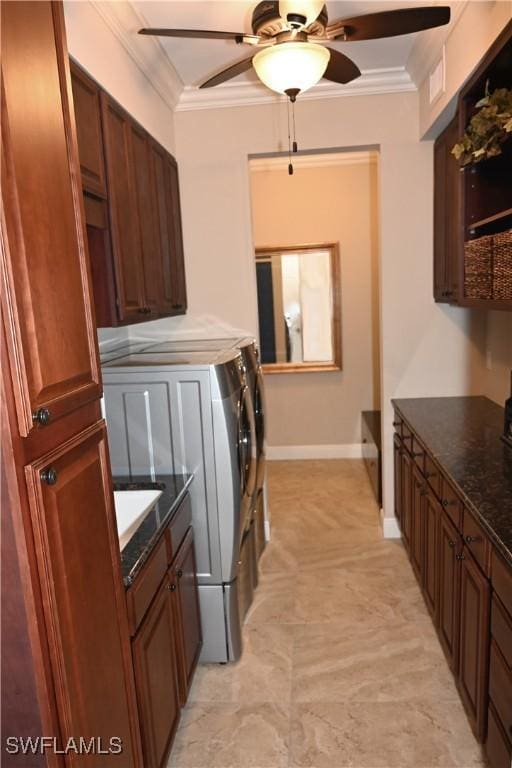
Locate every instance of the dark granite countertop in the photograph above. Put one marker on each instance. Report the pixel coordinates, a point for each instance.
(463, 435)
(135, 553)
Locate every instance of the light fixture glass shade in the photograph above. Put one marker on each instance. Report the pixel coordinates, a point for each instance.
(310, 9)
(291, 66)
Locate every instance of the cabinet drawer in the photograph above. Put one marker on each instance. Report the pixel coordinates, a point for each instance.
(178, 528)
(500, 687)
(433, 476)
(497, 745)
(418, 454)
(501, 630)
(502, 581)
(145, 586)
(407, 437)
(477, 541)
(451, 503)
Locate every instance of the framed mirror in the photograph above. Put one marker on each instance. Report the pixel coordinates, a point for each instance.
(299, 308)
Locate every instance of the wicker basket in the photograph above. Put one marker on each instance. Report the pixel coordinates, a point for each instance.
(502, 266)
(488, 267)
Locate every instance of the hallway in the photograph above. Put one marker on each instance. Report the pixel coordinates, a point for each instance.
(341, 664)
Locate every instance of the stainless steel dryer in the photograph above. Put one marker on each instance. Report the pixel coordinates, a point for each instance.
(192, 412)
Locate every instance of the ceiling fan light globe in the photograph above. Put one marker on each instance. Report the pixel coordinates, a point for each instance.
(308, 9)
(291, 66)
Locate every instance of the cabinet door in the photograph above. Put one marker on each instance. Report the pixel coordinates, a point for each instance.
(431, 512)
(449, 590)
(454, 218)
(440, 217)
(417, 495)
(406, 499)
(474, 642)
(187, 605)
(154, 659)
(165, 233)
(83, 596)
(144, 191)
(46, 294)
(86, 99)
(397, 466)
(124, 219)
(178, 283)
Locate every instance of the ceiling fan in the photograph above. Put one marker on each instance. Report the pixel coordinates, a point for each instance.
(290, 35)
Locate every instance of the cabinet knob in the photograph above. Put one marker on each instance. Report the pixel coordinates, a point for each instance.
(417, 454)
(451, 543)
(448, 503)
(41, 416)
(172, 587)
(460, 556)
(49, 476)
(180, 574)
(472, 539)
(396, 423)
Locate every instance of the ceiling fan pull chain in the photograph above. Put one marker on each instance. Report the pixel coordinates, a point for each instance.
(290, 166)
(294, 145)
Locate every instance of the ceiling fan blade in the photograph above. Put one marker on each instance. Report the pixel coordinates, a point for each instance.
(205, 34)
(391, 23)
(340, 68)
(227, 74)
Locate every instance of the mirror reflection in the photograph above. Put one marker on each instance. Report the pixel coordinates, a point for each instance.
(299, 308)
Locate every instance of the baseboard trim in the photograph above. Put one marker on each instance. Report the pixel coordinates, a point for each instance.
(390, 528)
(296, 452)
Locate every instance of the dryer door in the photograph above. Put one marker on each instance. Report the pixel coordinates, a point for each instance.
(246, 454)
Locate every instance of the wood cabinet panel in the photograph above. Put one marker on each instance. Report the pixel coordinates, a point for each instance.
(124, 218)
(406, 477)
(79, 569)
(187, 604)
(500, 687)
(397, 448)
(502, 581)
(142, 592)
(474, 642)
(46, 282)
(178, 282)
(417, 534)
(154, 660)
(477, 542)
(86, 99)
(447, 217)
(144, 193)
(451, 503)
(498, 746)
(431, 513)
(449, 590)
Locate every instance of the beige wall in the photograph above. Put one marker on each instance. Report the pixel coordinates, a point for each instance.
(426, 349)
(94, 45)
(498, 356)
(477, 27)
(318, 205)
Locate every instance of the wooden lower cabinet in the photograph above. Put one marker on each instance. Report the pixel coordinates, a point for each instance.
(418, 490)
(397, 450)
(156, 678)
(406, 478)
(164, 612)
(186, 604)
(431, 515)
(449, 590)
(474, 642)
(78, 562)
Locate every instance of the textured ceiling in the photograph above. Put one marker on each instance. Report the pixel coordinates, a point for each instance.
(195, 60)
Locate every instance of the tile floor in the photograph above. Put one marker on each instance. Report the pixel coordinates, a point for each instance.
(341, 664)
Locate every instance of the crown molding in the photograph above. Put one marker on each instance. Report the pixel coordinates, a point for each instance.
(233, 94)
(147, 52)
(313, 160)
(428, 46)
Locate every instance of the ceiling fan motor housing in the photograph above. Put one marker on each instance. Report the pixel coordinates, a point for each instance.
(267, 21)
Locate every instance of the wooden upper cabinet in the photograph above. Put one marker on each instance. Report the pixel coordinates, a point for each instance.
(178, 281)
(78, 562)
(46, 291)
(86, 98)
(172, 298)
(147, 217)
(447, 217)
(124, 218)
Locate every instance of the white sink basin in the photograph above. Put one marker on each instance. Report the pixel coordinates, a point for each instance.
(131, 508)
